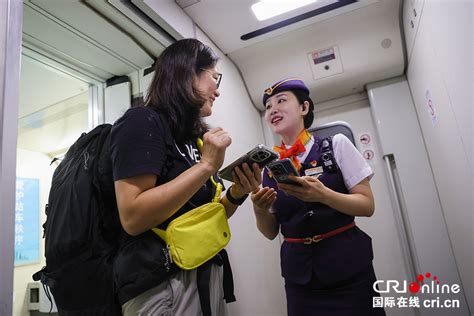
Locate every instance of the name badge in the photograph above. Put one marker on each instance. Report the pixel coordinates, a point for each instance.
(314, 172)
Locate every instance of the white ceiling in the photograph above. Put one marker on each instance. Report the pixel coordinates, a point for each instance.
(367, 35)
(225, 21)
(111, 37)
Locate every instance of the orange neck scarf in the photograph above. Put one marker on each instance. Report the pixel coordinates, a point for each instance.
(295, 149)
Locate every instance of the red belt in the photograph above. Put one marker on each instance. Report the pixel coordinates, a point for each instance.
(318, 238)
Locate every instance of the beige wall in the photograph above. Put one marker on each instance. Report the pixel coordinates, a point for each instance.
(440, 69)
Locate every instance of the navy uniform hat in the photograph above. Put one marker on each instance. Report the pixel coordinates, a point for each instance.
(285, 85)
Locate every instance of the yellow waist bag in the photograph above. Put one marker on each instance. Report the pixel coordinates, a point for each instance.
(198, 235)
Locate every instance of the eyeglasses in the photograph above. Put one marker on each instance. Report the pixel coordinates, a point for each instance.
(217, 76)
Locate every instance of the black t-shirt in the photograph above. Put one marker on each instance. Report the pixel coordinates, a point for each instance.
(142, 143)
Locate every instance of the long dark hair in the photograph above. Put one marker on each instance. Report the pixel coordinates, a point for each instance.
(171, 90)
(303, 96)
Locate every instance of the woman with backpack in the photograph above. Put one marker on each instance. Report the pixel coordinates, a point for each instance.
(326, 260)
(160, 173)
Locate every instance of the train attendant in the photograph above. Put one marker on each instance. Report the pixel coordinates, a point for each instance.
(326, 260)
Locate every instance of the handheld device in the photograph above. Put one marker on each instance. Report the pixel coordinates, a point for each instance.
(260, 154)
(281, 169)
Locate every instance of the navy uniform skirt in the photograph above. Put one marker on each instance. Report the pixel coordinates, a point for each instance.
(351, 297)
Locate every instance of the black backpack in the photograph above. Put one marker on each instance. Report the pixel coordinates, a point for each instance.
(82, 230)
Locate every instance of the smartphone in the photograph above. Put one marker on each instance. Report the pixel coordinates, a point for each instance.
(281, 169)
(260, 154)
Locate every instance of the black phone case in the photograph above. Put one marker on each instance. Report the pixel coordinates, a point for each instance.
(259, 154)
(281, 169)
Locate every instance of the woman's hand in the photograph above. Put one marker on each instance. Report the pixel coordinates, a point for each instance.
(215, 143)
(263, 199)
(245, 180)
(311, 189)
(358, 202)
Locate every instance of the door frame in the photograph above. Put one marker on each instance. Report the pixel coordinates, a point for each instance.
(11, 12)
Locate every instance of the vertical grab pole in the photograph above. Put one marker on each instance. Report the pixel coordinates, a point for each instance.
(401, 215)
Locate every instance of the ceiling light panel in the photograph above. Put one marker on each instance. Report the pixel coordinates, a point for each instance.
(266, 9)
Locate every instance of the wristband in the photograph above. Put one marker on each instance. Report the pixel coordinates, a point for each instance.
(233, 200)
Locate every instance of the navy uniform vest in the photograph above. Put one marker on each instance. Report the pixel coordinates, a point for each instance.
(331, 260)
